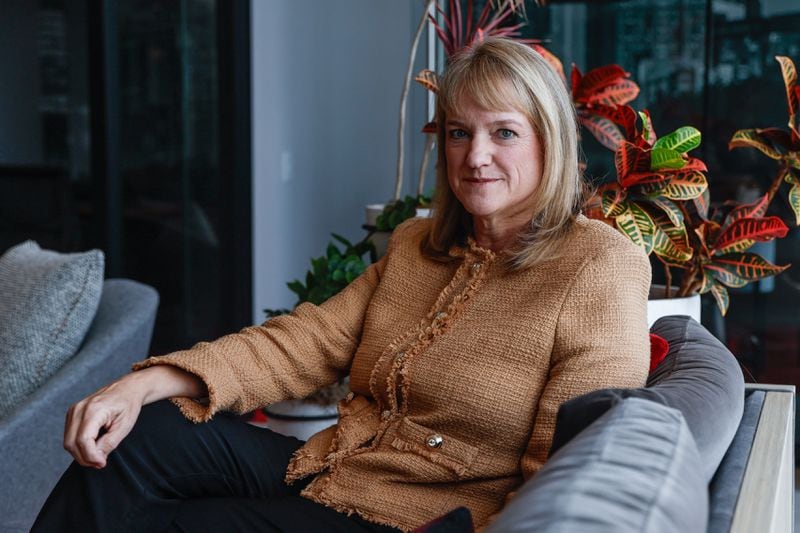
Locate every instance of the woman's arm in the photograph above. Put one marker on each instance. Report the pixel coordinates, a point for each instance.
(97, 424)
(601, 339)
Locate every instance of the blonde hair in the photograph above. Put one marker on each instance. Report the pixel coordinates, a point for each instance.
(499, 74)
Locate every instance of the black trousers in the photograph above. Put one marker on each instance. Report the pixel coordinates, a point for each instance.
(169, 474)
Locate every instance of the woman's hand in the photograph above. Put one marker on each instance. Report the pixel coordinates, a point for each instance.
(97, 424)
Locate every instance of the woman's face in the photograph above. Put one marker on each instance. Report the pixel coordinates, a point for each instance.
(494, 162)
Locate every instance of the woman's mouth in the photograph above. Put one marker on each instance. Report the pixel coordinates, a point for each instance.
(480, 181)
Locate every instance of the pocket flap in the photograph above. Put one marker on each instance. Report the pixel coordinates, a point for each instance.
(436, 446)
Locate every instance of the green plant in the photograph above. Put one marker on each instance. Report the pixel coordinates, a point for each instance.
(396, 212)
(330, 273)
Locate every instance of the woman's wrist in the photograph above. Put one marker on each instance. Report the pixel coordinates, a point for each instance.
(165, 381)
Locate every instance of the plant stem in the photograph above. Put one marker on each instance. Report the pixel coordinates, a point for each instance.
(424, 166)
(776, 183)
(398, 183)
(668, 275)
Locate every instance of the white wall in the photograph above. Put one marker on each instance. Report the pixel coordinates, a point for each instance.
(327, 78)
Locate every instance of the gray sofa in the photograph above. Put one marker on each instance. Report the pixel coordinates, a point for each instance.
(694, 451)
(32, 457)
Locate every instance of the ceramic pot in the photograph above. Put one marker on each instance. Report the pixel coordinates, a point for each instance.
(658, 306)
(300, 419)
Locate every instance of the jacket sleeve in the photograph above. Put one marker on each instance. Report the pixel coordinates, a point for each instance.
(601, 339)
(287, 357)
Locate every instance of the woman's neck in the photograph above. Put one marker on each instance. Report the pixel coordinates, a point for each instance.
(496, 235)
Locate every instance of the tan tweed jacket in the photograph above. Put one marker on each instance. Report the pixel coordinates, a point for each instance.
(457, 370)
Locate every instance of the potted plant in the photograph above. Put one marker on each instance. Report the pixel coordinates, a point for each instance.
(660, 200)
(329, 274)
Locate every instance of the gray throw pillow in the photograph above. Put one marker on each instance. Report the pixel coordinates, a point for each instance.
(699, 377)
(47, 302)
(635, 470)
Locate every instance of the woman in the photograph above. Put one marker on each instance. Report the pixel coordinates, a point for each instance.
(460, 343)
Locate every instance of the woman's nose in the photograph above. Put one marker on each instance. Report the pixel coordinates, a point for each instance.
(480, 153)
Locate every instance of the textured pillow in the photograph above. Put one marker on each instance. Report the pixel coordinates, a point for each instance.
(47, 302)
(635, 470)
(699, 377)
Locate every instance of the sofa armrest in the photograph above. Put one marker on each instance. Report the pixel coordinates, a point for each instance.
(31, 436)
(766, 497)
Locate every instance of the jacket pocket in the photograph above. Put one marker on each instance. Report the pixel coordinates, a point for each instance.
(441, 449)
(358, 424)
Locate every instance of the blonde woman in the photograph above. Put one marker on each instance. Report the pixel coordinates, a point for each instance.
(460, 343)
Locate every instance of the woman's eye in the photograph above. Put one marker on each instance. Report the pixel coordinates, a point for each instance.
(457, 134)
(506, 134)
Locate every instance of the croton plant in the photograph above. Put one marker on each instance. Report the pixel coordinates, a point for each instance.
(660, 198)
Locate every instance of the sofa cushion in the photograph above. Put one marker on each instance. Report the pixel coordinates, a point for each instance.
(699, 376)
(47, 302)
(636, 469)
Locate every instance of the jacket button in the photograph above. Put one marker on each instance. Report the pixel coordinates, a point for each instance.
(386, 414)
(476, 266)
(400, 356)
(440, 315)
(434, 441)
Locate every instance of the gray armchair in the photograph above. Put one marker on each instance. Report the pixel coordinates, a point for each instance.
(32, 457)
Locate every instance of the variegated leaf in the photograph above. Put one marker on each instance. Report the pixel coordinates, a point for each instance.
(755, 209)
(721, 296)
(575, 80)
(708, 282)
(685, 186)
(790, 81)
(694, 163)
(604, 130)
(629, 223)
(681, 140)
(701, 204)
(617, 94)
(748, 229)
(624, 116)
(670, 209)
(779, 139)
(673, 250)
(598, 78)
(645, 223)
(630, 158)
(745, 266)
(662, 158)
(794, 201)
(613, 202)
(724, 276)
(752, 139)
(648, 133)
(650, 179)
(428, 79)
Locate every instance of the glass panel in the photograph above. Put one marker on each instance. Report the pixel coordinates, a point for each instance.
(169, 162)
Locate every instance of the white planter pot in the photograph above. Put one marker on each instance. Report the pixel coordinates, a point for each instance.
(300, 419)
(658, 306)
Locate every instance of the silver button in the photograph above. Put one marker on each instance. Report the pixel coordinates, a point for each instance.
(386, 414)
(434, 441)
(476, 266)
(440, 315)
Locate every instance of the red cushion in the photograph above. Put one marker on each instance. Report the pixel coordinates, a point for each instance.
(658, 350)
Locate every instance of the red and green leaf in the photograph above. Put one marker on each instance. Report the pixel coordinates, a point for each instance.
(701, 204)
(789, 73)
(744, 231)
(685, 186)
(654, 181)
(779, 139)
(613, 202)
(752, 139)
(637, 225)
(575, 79)
(624, 116)
(681, 140)
(597, 79)
(604, 130)
(629, 158)
(669, 208)
(738, 269)
(694, 163)
(618, 94)
(794, 196)
(755, 209)
(722, 298)
(648, 132)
